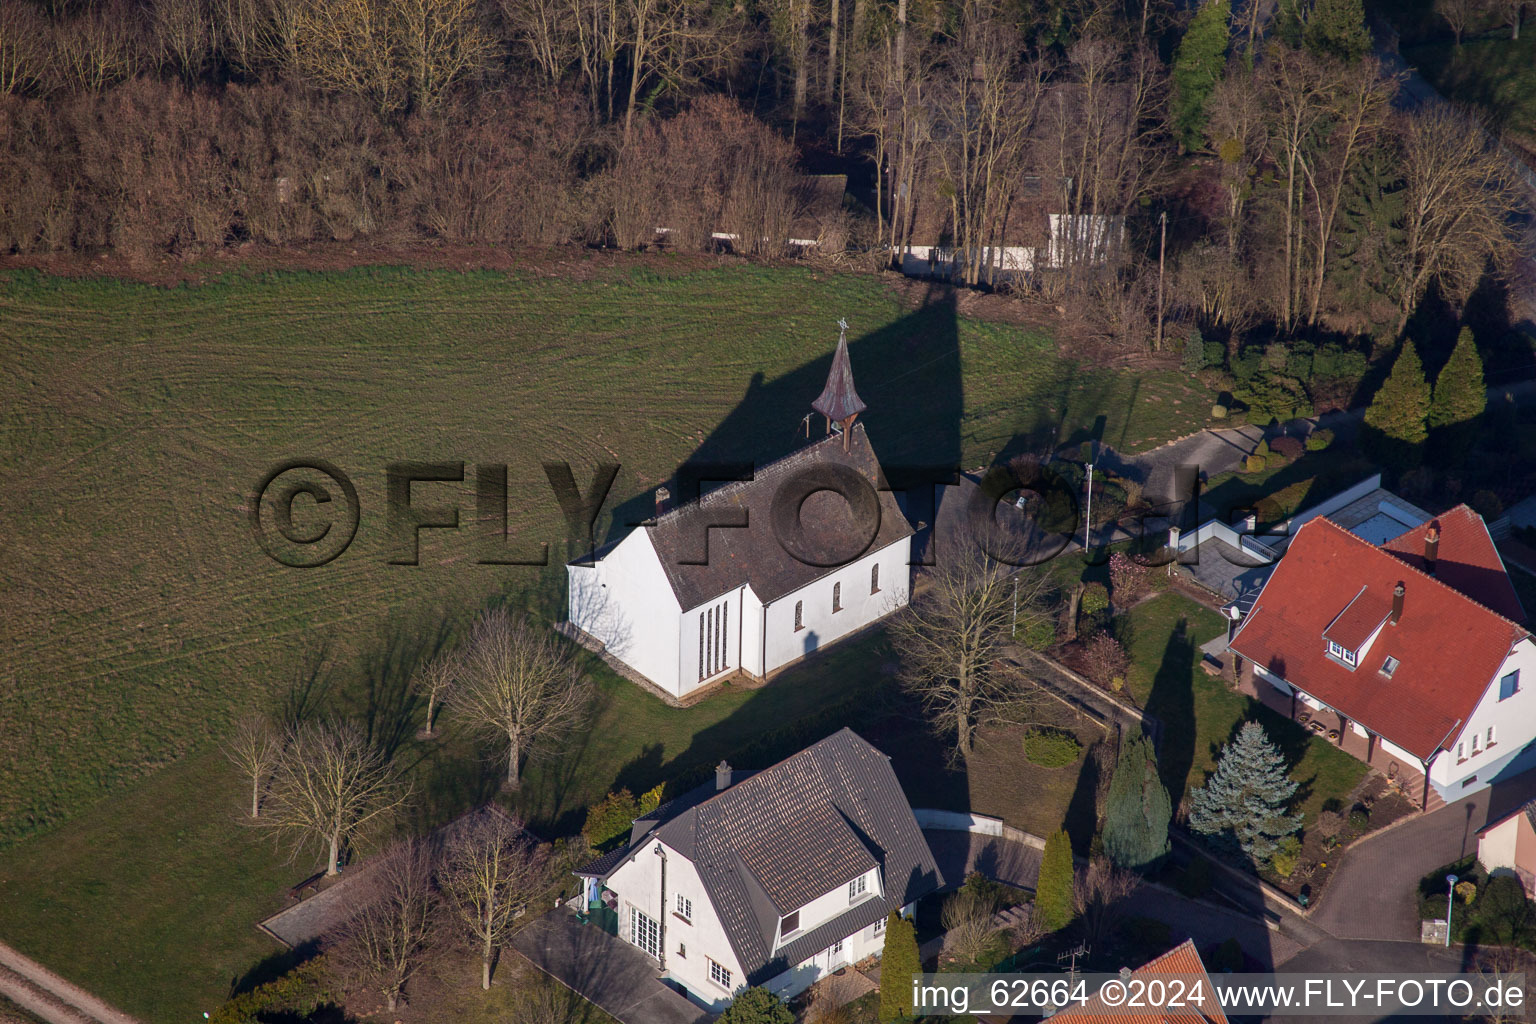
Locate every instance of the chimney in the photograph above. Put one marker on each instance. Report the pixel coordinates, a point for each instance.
(663, 500)
(722, 776)
(1397, 601)
(1431, 546)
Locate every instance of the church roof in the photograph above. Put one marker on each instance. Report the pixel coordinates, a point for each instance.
(703, 559)
(838, 399)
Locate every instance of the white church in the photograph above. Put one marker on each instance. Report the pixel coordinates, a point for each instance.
(818, 550)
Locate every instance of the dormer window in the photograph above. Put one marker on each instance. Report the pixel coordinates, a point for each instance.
(1341, 653)
(1389, 666)
(789, 924)
(857, 888)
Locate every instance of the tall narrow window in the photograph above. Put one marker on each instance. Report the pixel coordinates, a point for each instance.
(711, 634)
(837, 597)
(725, 634)
(701, 645)
(799, 607)
(1490, 737)
(874, 579)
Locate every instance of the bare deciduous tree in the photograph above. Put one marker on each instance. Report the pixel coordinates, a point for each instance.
(1238, 135)
(1099, 892)
(330, 787)
(545, 30)
(952, 634)
(385, 942)
(968, 924)
(183, 32)
(1513, 12)
(432, 682)
(97, 48)
(23, 46)
(1458, 14)
(1458, 202)
(519, 683)
(490, 870)
(254, 749)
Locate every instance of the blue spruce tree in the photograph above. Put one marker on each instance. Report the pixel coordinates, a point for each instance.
(1244, 801)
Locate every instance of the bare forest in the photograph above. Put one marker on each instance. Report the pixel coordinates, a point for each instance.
(1229, 166)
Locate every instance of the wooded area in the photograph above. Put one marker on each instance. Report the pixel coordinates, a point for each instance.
(1234, 166)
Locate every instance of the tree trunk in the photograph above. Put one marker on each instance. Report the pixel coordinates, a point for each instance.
(429, 715)
(514, 776)
(830, 90)
(255, 795)
(486, 952)
(391, 998)
(330, 865)
(901, 43)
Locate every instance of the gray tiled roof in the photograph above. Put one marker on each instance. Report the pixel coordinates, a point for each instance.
(792, 832)
(752, 553)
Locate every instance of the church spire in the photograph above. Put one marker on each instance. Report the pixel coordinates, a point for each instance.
(839, 402)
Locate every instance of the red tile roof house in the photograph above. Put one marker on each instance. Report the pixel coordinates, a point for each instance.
(1182, 962)
(1411, 655)
(777, 878)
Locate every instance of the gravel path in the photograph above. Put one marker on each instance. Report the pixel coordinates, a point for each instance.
(39, 991)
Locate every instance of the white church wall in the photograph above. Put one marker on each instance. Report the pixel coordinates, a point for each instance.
(858, 607)
(626, 601)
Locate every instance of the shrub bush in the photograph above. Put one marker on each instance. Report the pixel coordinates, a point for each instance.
(1286, 856)
(1329, 824)
(1319, 439)
(1128, 578)
(757, 1005)
(297, 993)
(1487, 505)
(1051, 748)
(1288, 448)
(1095, 600)
(1215, 353)
(1359, 819)
(1253, 464)
(1107, 661)
(1218, 411)
(610, 819)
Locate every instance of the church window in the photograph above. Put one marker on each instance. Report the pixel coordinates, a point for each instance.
(799, 608)
(874, 579)
(837, 597)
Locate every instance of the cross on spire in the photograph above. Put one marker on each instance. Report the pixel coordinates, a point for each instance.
(839, 402)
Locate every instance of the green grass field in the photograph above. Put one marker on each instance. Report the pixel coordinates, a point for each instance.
(142, 617)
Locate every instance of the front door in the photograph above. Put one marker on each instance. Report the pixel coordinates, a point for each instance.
(645, 933)
(837, 956)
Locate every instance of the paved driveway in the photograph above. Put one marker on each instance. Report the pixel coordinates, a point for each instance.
(606, 970)
(1002, 860)
(1371, 895)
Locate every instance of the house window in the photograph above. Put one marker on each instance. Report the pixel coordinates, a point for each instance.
(1461, 752)
(790, 924)
(1342, 653)
(710, 632)
(1475, 750)
(719, 975)
(1468, 781)
(874, 579)
(701, 645)
(1509, 685)
(1490, 737)
(799, 607)
(856, 887)
(684, 907)
(880, 926)
(837, 597)
(682, 951)
(720, 647)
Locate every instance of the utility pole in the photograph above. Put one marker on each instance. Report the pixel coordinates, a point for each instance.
(1088, 519)
(1450, 905)
(1162, 248)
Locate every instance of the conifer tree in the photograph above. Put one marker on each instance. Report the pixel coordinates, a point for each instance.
(757, 1005)
(1136, 817)
(899, 962)
(1399, 411)
(1243, 802)
(1460, 394)
(1053, 889)
(1197, 67)
(1336, 28)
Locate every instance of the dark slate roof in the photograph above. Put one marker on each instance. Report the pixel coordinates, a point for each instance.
(838, 399)
(793, 832)
(752, 553)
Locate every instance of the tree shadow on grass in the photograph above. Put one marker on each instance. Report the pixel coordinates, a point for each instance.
(1082, 818)
(1171, 702)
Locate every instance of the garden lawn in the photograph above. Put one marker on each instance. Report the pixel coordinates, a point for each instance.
(1199, 713)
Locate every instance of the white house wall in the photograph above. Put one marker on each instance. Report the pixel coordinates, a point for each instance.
(1496, 847)
(625, 601)
(869, 941)
(638, 884)
(820, 625)
(1514, 723)
(828, 905)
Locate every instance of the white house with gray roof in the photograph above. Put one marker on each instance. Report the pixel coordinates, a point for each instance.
(775, 878)
(757, 573)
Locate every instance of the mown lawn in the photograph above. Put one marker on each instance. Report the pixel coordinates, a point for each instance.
(1200, 714)
(142, 617)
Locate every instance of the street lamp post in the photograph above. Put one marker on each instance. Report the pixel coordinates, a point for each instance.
(1088, 520)
(1450, 905)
